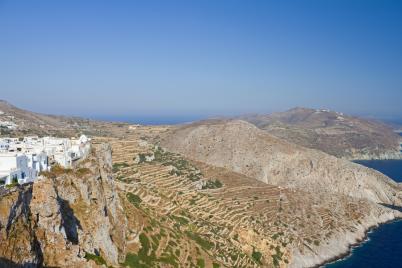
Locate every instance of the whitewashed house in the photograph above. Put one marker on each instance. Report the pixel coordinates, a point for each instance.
(14, 168)
(21, 160)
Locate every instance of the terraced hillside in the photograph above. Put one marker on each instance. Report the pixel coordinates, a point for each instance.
(183, 213)
(242, 147)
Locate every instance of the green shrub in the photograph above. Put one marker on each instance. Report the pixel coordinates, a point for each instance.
(200, 241)
(118, 166)
(212, 184)
(200, 263)
(181, 220)
(134, 199)
(256, 255)
(98, 259)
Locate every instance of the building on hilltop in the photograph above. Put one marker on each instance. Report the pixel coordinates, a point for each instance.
(21, 160)
(14, 168)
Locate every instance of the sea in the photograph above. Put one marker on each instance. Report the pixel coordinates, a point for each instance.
(383, 248)
(151, 120)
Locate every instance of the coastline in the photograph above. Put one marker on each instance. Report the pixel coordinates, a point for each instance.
(397, 156)
(342, 243)
(359, 242)
(349, 252)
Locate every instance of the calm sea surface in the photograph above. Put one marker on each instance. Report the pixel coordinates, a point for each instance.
(384, 247)
(151, 120)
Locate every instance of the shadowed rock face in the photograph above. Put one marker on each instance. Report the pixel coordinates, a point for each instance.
(54, 221)
(242, 147)
(334, 133)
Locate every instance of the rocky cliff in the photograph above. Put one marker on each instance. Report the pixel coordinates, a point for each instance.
(242, 147)
(65, 218)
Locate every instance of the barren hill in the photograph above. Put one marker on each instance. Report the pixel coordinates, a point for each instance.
(234, 220)
(31, 123)
(334, 133)
(242, 147)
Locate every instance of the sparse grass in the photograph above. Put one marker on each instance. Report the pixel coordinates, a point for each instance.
(11, 185)
(82, 171)
(56, 171)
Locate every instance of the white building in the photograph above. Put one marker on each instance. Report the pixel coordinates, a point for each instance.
(8, 124)
(22, 160)
(14, 168)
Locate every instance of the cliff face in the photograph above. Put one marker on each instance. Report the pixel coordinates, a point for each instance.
(241, 147)
(63, 216)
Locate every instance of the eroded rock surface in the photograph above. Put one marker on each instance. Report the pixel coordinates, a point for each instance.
(61, 217)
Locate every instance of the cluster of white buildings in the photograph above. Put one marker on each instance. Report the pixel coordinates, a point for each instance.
(8, 124)
(6, 121)
(22, 159)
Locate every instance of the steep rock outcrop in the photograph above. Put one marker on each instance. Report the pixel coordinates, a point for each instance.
(63, 216)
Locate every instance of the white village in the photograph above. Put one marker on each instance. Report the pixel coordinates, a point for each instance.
(23, 159)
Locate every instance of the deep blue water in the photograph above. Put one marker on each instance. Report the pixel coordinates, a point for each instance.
(384, 246)
(151, 120)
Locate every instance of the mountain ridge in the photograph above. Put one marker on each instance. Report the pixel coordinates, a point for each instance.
(242, 147)
(335, 133)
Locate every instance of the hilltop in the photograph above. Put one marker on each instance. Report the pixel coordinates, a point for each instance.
(234, 219)
(242, 147)
(335, 133)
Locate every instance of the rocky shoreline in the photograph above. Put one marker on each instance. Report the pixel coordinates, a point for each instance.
(386, 156)
(352, 246)
(344, 250)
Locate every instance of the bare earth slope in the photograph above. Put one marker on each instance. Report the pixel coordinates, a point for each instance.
(334, 133)
(30, 123)
(241, 223)
(242, 147)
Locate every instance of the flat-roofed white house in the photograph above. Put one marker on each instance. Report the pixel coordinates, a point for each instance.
(14, 168)
(21, 160)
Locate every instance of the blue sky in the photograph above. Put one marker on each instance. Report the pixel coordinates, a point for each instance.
(188, 58)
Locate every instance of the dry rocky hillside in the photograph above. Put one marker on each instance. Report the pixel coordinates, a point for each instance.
(191, 214)
(66, 219)
(209, 194)
(334, 133)
(242, 147)
(30, 123)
